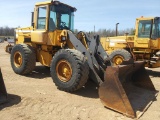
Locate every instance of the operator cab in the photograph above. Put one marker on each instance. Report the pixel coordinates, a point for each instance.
(149, 28)
(54, 15)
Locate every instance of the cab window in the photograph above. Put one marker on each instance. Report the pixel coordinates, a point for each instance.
(41, 19)
(144, 28)
(61, 17)
(158, 29)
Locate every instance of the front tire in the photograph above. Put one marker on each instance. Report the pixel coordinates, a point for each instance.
(23, 59)
(119, 55)
(69, 70)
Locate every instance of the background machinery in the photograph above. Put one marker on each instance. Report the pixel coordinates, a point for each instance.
(144, 45)
(74, 59)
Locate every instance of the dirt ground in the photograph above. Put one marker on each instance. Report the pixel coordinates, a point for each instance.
(35, 97)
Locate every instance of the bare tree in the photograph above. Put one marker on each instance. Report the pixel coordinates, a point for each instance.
(6, 31)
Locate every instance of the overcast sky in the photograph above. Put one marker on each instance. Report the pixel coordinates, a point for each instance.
(99, 13)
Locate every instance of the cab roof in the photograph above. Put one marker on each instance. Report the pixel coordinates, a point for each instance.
(146, 18)
(52, 2)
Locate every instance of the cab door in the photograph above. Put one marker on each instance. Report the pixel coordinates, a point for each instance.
(39, 35)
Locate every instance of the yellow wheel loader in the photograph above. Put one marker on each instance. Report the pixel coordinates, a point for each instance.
(74, 59)
(144, 45)
(3, 92)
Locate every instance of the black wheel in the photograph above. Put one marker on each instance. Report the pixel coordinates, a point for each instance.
(69, 70)
(119, 55)
(23, 59)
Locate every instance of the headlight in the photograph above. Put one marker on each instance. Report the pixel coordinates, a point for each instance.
(63, 38)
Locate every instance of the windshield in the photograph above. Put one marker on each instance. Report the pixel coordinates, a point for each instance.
(158, 28)
(61, 17)
(41, 19)
(144, 28)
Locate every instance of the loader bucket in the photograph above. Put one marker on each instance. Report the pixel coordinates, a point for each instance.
(127, 89)
(3, 92)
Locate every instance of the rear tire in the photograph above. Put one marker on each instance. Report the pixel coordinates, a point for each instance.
(23, 59)
(119, 55)
(69, 70)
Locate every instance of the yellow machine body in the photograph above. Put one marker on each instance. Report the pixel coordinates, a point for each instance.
(42, 41)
